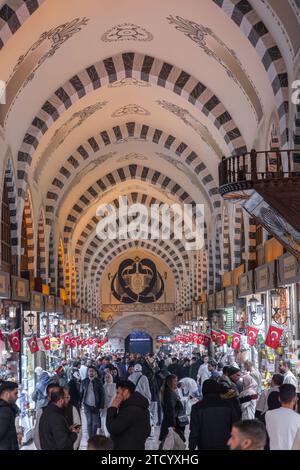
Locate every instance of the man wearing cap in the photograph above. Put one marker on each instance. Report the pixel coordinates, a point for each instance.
(232, 389)
(141, 382)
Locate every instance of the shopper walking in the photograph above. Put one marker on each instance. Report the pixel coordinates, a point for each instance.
(8, 412)
(39, 395)
(212, 419)
(92, 397)
(74, 388)
(262, 402)
(55, 433)
(128, 418)
(51, 387)
(141, 382)
(172, 409)
(109, 395)
(248, 435)
(289, 378)
(249, 388)
(255, 374)
(283, 424)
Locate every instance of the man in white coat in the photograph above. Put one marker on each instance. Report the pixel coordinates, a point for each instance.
(203, 372)
(289, 378)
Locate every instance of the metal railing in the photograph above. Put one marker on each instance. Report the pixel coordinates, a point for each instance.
(257, 166)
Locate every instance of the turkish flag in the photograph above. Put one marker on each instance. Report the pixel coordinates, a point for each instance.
(46, 343)
(91, 341)
(273, 337)
(214, 336)
(236, 341)
(200, 339)
(66, 337)
(84, 343)
(33, 345)
(195, 338)
(1, 336)
(14, 341)
(252, 334)
(223, 337)
(73, 342)
(206, 341)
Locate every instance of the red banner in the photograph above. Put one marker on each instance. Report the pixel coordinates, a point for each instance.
(91, 341)
(206, 341)
(14, 341)
(273, 337)
(200, 339)
(46, 343)
(66, 338)
(214, 336)
(78, 340)
(236, 341)
(33, 345)
(1, 336)
(252, 334)
(73, 342)
(223, 337)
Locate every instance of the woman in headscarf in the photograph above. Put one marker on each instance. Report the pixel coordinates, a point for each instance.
(249, 387)
(40, 393)
(109, 395)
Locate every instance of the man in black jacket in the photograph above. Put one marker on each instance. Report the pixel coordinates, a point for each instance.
(128, 418)
(212, 419)
(8, 409)
(55, 433)
(92, 397)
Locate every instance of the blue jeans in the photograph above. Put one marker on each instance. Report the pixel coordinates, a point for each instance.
(93, 421)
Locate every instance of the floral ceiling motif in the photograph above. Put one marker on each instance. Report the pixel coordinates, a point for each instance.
(126, 32)
(131, 109)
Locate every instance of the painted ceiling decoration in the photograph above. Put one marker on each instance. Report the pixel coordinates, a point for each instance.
(129, 82)
(28, 64)
(192, 122)
(215, 48)
(143, 67)
(127, 32)
(61, 134)
(130, 109)
(137, 280)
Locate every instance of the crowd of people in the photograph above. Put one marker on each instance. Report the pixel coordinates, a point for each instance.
(197, 403)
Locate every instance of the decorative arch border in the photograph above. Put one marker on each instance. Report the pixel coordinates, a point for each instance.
(30, 229)
(117, 134)
(42, 246)
(129, 64)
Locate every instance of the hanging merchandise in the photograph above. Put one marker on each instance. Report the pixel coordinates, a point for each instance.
(252, 334)
(46, 343)
(33, 345)
(236, 341)
(273, 337)
(14, 341)
(223, 338)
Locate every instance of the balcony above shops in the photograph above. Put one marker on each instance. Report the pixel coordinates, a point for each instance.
(267, 185)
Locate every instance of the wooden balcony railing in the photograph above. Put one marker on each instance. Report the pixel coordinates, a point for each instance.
(256, 166)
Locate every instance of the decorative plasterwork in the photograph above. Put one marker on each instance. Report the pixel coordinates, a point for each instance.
(133, 156)
(129, 82)
(29, 63)
(126, 32)
(60, 135)
(131, 109)
(180, 167)
(192, 122)
(215, 48)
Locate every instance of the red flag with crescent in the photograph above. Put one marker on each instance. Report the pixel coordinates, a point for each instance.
(206, 341)
(223, 337)
(73, 342)
(1, 336)
(214, 336)
(91, 341)
(33, 345)
(200, 339)
(66, 338)
(273, 337)
(78, 340)
(252, 334)
(236, 341)
(46, 343)
(14, 341)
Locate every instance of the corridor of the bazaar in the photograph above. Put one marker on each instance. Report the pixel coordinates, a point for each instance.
(150, 228)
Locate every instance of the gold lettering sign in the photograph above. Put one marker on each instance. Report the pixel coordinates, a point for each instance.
(37, 302)
(220, 299)
(21, 289)
(211, 302)
(262, 277)
(243, 284)
(290, 267)
(4, 286)
(229, 296)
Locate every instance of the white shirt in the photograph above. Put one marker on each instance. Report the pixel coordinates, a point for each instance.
(289, 378)
(282, 426)
(83, 371)
(203, 373)
(262, 402)
(296, 445)
(189, 386)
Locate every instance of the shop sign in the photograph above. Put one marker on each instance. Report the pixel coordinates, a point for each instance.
(50, 304)
(288, 270)
(220, 299)
(37, 302)
(4, 285)
(264, 277)
(211, 302)
(230, 296)
(19, 289)
(204, 310)
(59, 305)
(246, 284)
